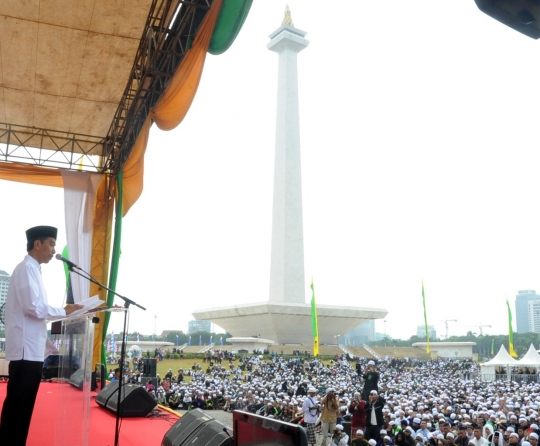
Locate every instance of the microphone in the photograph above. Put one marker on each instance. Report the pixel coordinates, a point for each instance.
(69, 263)
(227, 432)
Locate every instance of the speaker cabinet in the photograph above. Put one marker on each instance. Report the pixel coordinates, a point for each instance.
(77, 380)
(197, 428)
(150, 367)
(134, 400)
(521, 15)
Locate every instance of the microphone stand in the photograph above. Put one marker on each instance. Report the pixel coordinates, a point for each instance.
(127, 303)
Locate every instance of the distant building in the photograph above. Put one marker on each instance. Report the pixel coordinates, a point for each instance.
(527, 311)
(359, 335)
(4, 285)
(195, 326)
(421, 331)
(166, 333)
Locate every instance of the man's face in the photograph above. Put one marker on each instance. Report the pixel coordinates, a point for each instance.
(372, 397)
(446, 429)
(533, 441)
(477, 433)
(423, 424)
(462, 434)
(513, 439)
(44, 250)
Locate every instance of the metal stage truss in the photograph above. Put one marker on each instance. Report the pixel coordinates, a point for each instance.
(170, 29)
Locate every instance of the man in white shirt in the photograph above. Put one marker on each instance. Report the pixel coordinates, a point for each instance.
(478, 440)
(311, 413)
(424, 431)
(27, 312)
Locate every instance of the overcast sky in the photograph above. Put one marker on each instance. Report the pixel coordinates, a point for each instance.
(420, 161)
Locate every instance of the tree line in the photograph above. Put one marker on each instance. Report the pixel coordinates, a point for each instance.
(178, 337)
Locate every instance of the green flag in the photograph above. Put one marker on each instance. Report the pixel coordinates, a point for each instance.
(425, 318)
(493, 346)
(314, 324)
(510, 333)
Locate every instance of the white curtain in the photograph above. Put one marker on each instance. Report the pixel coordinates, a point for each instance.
(79, 196)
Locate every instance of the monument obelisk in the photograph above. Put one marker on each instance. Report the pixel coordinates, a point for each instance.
(285, 318)
(287, 282)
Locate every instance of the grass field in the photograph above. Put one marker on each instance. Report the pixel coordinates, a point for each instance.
(176, 364)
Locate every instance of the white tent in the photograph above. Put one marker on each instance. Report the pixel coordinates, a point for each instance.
(502, 359)
(531, 358)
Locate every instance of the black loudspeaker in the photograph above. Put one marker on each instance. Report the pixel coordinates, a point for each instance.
(77, 379)
(134, 400)
(100, 377)
(197, 428)
(522, 15)
(150, 367)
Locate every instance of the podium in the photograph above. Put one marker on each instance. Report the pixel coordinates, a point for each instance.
(71, 371)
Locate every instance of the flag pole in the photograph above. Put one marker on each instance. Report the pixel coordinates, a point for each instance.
(428, 350)
(314, 322)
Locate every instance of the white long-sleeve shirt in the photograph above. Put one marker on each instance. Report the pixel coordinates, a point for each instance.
(310, 414)
(27, 312)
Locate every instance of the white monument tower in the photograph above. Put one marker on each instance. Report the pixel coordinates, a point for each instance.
(287, 283)
(285, 318)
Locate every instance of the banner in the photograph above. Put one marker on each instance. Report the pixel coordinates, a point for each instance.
(510, 333)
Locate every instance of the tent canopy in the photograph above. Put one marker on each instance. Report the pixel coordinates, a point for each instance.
(531, 358)
(502, 358)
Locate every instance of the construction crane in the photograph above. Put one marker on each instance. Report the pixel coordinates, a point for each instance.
(446, 325)
(476, 326)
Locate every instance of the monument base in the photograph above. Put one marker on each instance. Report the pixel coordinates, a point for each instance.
(288, 323)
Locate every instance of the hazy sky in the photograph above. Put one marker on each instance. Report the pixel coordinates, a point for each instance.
(419, 162)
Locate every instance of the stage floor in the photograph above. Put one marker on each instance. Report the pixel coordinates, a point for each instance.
(53, 402)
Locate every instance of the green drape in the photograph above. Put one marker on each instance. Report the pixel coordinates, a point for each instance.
(230, 21)
(115, 261)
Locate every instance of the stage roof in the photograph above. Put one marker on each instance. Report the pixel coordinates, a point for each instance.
(64, 67)
(78, 78)
(67, 63)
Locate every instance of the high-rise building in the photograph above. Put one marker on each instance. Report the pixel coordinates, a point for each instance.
(4, 285)
(421, 332)
(527, 311)
(195, 326)
(359, 335)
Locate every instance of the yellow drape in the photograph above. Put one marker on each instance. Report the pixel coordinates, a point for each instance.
(42, 176)
(172, 107)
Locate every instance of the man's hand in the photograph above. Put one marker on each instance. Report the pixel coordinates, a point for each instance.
(70, 308)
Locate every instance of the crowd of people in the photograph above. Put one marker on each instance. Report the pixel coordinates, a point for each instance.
(397, 402)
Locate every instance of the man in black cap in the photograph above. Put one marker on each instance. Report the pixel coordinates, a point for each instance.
(27, 313)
